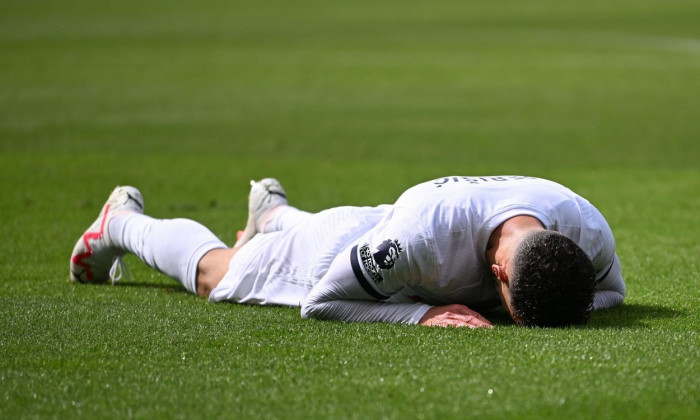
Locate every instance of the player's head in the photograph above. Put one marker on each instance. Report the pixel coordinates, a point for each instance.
(552, 282)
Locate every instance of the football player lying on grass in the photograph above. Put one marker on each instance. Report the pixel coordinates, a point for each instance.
(445, 249)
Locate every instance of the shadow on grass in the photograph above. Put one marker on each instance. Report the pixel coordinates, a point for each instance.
(632, 316)
(626, 316)
(171, 288)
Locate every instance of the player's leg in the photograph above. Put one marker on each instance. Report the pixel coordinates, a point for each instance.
(174, 247)
(268, 210)
(282, 218)
(171, 246)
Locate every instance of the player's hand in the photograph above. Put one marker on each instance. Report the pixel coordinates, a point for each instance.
(454, 316)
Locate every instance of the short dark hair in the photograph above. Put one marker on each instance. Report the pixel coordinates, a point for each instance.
(552, 283)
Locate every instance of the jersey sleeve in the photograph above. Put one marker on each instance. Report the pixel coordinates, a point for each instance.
(340, 296)
(611, 290)
(599, 242)
(379, 264)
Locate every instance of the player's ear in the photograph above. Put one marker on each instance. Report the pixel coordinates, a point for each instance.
(500, 273)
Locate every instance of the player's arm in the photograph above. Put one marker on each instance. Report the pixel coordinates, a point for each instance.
(340, 295)
(611, 290)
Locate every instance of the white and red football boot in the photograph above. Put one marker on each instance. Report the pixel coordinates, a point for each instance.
(94, 258)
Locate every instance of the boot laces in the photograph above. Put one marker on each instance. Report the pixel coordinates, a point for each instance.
(118, 270)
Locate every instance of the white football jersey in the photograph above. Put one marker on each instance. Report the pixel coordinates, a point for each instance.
(432, 247)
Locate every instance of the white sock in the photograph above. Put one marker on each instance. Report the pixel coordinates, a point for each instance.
(171, 246)
(282, 217)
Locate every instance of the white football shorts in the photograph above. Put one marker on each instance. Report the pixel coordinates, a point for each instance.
(280, 268)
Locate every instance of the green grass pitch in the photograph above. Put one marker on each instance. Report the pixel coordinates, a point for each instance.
(346, 103)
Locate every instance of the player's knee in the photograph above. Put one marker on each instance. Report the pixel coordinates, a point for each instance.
(212, 268)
